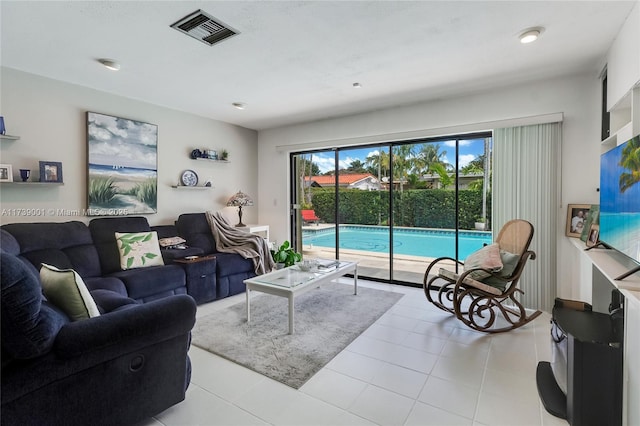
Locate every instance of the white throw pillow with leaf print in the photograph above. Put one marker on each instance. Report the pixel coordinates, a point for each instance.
(138, 250)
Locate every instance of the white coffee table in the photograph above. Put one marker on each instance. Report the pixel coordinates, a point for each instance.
(290, 282)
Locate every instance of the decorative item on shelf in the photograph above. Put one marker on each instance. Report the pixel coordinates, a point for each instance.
(240, 199)
(3, 130)
(576, 216)
(204, 153)
(6, 173)
(189, 178)
(50, 171)
(224, 155)
(207, 183)
(196, 153)
(594, 234)
(212, 154)
(24, 174)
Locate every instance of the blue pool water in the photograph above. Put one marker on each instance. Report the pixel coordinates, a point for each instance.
(416, 242)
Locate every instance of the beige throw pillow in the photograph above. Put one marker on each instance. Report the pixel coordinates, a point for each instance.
(488, 257)
(138, 250)
(66, 290)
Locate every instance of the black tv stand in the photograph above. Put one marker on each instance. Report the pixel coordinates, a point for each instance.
(630, 272)
(598, 244)
(588, 365)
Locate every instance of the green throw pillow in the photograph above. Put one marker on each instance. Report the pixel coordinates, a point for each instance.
(66, 290)
(139, 250)
(509, 261)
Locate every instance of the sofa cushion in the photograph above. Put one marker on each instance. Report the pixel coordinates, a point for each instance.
(29, 327)
(103, 232)
(138, 249)
(8, 243)
(66, 245)
(194, 227)
(65, 289)
(142, 283)
(232, 263)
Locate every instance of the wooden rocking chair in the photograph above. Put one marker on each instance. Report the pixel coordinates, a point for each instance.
(477, 295)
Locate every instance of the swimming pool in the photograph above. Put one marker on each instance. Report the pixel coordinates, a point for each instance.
(410, 241)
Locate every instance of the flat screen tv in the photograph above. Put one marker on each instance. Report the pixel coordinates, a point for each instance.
(620, 200)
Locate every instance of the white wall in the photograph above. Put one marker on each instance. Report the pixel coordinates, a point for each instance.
(577, 97)
(50, 118)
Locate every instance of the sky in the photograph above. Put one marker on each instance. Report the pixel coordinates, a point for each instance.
(469, 150)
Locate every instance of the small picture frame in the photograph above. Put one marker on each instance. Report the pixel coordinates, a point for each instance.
(50, 171)
(594, 234)
(576, 217)
(6, 173)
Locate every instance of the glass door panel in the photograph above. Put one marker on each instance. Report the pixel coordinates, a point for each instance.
(315, 204)
(363, 210)
(424, 207)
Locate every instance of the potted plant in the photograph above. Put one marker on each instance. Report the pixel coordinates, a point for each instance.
(224, 154)
(286, 255)
(480, 223)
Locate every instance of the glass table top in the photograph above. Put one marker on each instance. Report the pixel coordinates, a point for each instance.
(292, 276)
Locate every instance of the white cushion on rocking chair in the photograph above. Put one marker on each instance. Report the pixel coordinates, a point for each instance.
(453, 277)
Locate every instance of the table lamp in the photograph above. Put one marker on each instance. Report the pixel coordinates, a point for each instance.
(240, 199)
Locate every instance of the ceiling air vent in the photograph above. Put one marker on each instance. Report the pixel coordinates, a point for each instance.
(204, 27)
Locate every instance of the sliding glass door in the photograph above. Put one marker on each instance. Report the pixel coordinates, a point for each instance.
(394, 207)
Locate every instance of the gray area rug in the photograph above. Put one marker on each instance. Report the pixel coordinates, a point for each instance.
(327, 319)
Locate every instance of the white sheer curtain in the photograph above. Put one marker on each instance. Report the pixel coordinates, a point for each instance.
(526, 185)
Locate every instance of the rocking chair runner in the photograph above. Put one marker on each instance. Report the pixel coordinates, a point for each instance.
(471, 286)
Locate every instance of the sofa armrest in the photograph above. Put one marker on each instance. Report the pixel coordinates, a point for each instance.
(127, 330)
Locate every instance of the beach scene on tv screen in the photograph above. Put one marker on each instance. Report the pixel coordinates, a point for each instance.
(620, 198)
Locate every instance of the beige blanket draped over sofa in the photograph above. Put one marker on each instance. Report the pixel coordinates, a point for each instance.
(230, 239)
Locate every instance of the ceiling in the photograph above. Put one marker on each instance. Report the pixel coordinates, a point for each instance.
(296, 61)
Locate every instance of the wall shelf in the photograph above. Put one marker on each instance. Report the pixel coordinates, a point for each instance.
(33, 183)
(211, 160)
(9, 138)
(191, 187)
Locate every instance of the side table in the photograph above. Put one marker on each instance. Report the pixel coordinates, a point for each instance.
(201, 277)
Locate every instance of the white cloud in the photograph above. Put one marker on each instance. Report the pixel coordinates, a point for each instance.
(465, 160)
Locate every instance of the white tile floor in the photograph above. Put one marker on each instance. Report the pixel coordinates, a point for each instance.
(415, 366)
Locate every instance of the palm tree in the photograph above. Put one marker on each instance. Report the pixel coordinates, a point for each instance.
(630, 160)
(404, 160)
(429, 154)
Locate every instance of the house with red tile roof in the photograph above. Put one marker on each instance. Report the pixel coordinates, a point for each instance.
(363, 181)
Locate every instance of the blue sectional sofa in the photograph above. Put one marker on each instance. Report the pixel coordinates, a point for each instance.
(121, 367)
(232, 269)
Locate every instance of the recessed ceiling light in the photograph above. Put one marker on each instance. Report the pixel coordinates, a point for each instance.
(110, 64)
(239, 105)
(357, 85)
(530, 35)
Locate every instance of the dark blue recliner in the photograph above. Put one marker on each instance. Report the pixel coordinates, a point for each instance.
(122, 367)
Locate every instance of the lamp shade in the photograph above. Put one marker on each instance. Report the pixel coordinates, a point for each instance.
(240, 199)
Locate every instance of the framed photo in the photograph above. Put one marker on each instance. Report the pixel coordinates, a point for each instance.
(576, 216)
(594, 233)
(122, 166)
(50, 171)
(6, 173)
(593, 217)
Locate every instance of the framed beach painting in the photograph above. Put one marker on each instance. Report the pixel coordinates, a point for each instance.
(122, 166)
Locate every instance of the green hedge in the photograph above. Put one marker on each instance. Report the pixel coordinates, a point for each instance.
(424, 208)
